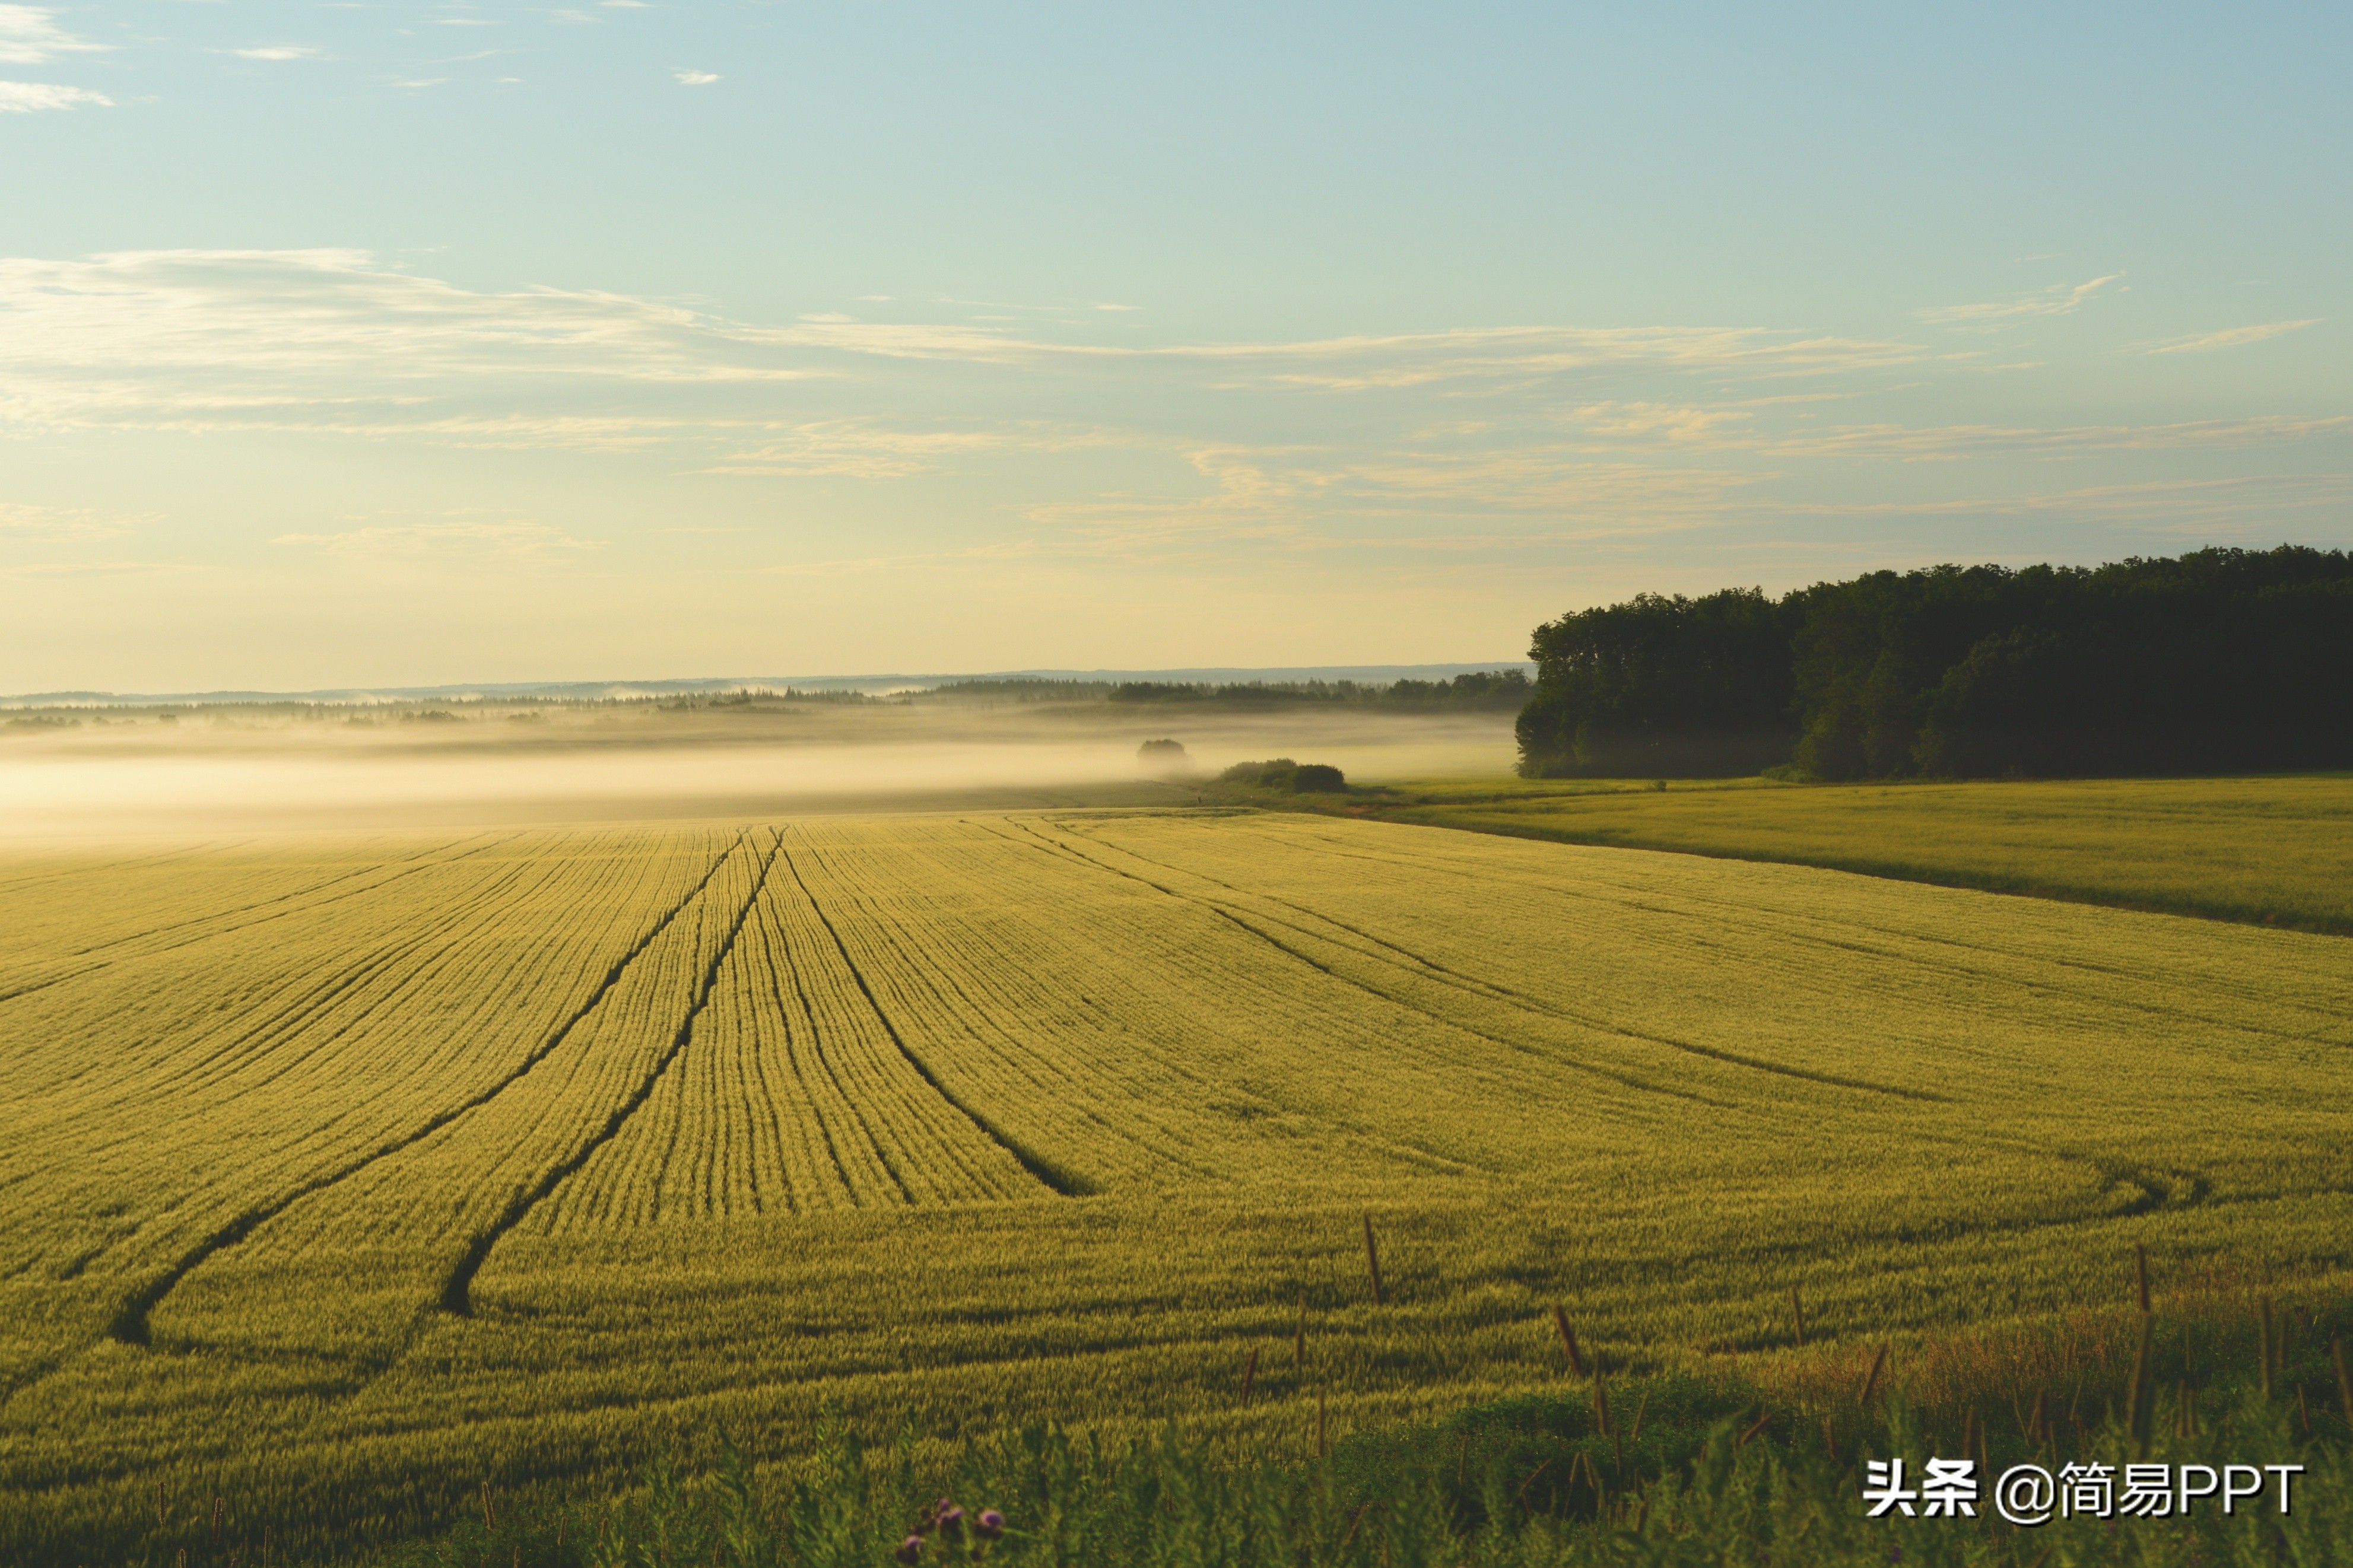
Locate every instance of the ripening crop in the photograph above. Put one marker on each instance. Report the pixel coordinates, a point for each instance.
(340, 1178)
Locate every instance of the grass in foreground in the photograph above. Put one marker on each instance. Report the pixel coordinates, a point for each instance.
(2272, 851)
(1665, 1469)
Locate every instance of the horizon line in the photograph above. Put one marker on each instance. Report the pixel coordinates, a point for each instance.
(697, 685)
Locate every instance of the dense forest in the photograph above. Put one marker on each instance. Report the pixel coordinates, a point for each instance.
(2220, 660)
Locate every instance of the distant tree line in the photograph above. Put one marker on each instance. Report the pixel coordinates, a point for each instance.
(2220, 660)
(1493, 690)
(1019, 689)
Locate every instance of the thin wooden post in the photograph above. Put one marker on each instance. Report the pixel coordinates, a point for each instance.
(1870, 1384)
(2343, 1383)
(1567, 1340)
(2266, 1346)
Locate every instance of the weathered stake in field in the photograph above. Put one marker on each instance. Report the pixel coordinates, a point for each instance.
(344, 1178)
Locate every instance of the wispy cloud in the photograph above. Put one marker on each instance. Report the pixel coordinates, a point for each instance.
(101, 568)
(28, 97)
(49, 524)
(331, 338)
(1638, 422)
(2059, 299)
(2230, 337)
(1007, 549)
(1729, 429)
(29, 36)
(494, 538)
(1519, 355)
(1946, 442)
(866, 450)
(695, 78)
(279, 52)
(1293, 498)
(225, 334)
(2239, 506)
(1097, 445)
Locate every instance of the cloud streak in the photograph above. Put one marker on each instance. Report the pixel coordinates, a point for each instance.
(29, 36)
(464, 537)
(31, 96)
(49, 524)
(2059, 299)
(2231, 337)
(335, 340)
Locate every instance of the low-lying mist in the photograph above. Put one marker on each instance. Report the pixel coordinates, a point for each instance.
(244, 769)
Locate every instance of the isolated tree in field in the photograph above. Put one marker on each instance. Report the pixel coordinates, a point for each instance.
(1164, 759)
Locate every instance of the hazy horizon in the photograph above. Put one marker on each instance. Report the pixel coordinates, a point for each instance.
(227, 769)
(662, 686)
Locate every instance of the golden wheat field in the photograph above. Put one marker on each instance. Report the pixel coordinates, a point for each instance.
(341, 1176)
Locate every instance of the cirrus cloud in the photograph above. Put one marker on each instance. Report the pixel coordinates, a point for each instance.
(29, 36)
(2230, 337)
(2059, 299)
(30, 96)
(464, 535)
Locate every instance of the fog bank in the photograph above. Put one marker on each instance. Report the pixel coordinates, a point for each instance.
(223, 772)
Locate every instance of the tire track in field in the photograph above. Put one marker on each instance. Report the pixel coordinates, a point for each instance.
(1489, 990)
(397, 965)
(1624, 1080)
(257, 1036)
(1062, 1183)
(277, 1018)
(1040, 1069)
(823, 1064)
(413, 864)
(162, 858)
(457, 1289)
(410, 863)
(130, 1325)
(1783, 927)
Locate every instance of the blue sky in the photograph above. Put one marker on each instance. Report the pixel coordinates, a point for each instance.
(394, 344)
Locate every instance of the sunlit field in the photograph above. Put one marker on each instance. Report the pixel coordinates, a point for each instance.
(347, 1174)
(2275, 850)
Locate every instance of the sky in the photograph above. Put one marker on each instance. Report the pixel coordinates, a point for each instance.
(349, 344)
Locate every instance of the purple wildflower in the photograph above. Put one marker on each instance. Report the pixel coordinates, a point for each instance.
(989, 1525)
(911, 1550)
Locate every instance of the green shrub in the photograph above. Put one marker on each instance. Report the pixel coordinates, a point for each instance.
(1282, 774)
